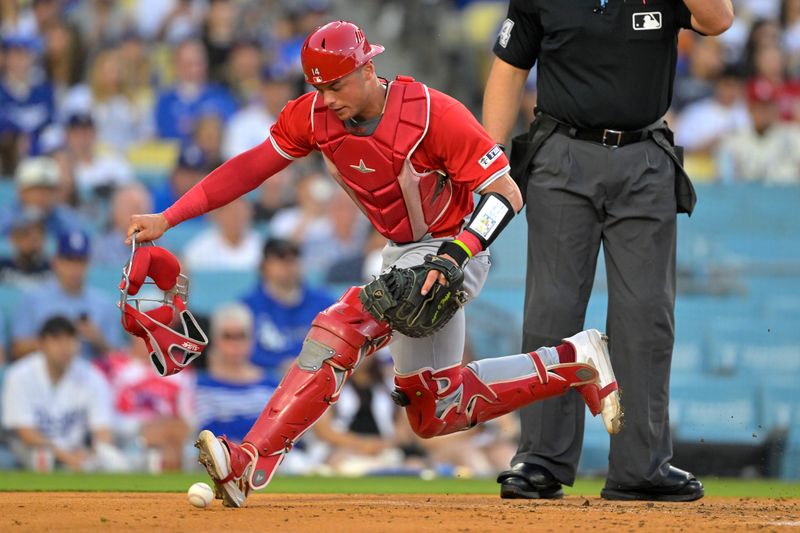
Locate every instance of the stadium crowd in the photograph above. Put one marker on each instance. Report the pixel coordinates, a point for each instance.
(109, 108)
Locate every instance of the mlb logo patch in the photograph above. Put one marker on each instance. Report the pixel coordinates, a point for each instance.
(650, 20)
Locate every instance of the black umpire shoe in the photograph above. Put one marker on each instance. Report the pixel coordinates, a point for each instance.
(529, 481)
(679, 486)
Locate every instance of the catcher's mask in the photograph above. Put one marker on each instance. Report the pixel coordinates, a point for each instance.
(171, 350)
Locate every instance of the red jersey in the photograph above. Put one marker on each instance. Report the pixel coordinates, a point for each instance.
(453, 147)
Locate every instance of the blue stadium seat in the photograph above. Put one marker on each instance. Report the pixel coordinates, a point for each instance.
(8, 192)
(755, 347)
(790, 467)
(209, 289)
(780, 400)
(715, 410)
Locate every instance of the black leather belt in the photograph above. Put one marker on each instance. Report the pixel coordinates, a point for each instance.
(604, 137)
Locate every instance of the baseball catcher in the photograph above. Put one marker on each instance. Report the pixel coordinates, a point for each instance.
(411, 158)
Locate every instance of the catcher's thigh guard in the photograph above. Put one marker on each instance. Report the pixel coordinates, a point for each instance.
(340, 337)
(452, 399)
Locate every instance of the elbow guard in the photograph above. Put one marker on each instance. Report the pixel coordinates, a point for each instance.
(490, 217)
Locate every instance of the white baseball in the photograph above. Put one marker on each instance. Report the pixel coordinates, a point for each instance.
(200, 495)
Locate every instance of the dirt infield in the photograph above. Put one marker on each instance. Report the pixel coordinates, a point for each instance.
(63, 511)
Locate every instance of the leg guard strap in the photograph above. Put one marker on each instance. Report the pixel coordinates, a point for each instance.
(455, 398)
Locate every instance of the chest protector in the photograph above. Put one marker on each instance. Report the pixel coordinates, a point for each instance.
(376, 170)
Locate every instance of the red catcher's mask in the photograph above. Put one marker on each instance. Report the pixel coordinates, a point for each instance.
(170, 331)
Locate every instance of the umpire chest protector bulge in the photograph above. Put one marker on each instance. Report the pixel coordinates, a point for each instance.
(375, 169)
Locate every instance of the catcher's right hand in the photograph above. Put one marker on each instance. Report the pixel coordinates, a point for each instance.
(147, 227)
(396, 297)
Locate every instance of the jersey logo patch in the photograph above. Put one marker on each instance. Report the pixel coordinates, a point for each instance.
(490, 156)
(505, 32)
(650, 20)
(361, 167)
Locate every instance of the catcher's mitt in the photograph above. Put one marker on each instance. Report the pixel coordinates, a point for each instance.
(394, 297)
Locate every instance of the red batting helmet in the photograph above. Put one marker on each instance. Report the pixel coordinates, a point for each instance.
(171, 349)
(335, 50)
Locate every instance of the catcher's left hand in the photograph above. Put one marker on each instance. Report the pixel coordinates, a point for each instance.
(397, 296)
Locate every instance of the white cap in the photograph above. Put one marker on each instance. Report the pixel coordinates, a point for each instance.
(37, 172)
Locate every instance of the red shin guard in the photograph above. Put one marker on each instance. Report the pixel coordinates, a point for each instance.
(340, 337)
(453, 399)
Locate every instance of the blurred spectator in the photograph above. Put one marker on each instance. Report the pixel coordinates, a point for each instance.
(155, 411)
(218, 35)
(3, 362)
(232, 392)
(770, 66)
(361, 267)
(764, 33)
(38, 180)
(138, 76)
(101, 22)
(770, 150)
(68, 294)
(55, 402)
(282, 306)
(360, 428)
(122, 121)
(63, 56)
(95, 173)
(243, 72)
(702, 124)
(207, 137)
(230, 243)
(274, 194)
(169, 20)
(192, 96)
(28, 266)
(302, 17)
(26, 100)
(190, 169)
(250, 126)
(110, 248)
(311, 223)
(706, 61)
(790, 22)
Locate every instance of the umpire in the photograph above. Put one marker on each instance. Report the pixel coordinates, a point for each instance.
(599, 166)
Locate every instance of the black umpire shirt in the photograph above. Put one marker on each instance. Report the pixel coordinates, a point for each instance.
(598, 67)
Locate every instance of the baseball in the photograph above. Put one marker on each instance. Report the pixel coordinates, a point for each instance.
(200, 495)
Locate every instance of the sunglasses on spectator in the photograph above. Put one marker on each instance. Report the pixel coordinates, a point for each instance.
(234, 335)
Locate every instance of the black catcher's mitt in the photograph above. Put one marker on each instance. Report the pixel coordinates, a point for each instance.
(394, 297)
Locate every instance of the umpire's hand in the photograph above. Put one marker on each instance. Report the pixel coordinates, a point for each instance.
(149, 227)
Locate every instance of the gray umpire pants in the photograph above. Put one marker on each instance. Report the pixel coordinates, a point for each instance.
(582, 194)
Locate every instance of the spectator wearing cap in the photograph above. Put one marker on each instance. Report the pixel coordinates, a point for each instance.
(230, 243)
(122, 120)
(28, 266)
(191, 167)
(283, 306)
(94, 172)
(54, 404)
(769, 151)
(26, 101)
(192, 96)
(69, 295)
(38, 183)
(110, 248)
(250, 126)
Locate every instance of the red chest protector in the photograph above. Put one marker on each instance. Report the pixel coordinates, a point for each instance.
(376, 170)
